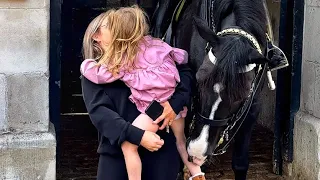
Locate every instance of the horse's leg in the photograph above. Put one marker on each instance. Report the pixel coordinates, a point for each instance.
(240, 159)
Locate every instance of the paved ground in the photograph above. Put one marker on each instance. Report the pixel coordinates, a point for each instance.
(78, 158)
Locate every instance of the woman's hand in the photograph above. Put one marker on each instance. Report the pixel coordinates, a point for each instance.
(167, 116)
(151, 141)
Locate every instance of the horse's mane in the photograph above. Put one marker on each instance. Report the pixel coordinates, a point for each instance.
(226, 70)
(251, 17)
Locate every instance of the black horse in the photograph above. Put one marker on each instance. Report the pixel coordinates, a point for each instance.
(228, 51)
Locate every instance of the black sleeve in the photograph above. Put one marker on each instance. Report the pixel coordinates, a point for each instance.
(105, 118)
(184, 89)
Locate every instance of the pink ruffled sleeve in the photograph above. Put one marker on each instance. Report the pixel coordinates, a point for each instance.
(98, 74)
(179, 55)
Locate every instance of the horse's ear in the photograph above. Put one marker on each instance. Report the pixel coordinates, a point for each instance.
(256, 58)
(205, 32)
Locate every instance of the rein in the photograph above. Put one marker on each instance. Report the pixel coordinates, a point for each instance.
(238, 118)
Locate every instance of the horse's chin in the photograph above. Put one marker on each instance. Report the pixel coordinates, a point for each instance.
(198, 147)
(205, 144)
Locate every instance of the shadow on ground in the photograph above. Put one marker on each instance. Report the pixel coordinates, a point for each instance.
(78, 158)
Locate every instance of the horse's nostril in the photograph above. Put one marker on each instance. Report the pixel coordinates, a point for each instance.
(190, 159)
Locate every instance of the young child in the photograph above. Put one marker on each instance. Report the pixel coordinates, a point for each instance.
(116, 47)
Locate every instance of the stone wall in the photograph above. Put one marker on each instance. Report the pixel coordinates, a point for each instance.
(27, 143)
(306, 163)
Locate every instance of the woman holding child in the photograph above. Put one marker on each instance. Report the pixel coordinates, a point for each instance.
(125, 72)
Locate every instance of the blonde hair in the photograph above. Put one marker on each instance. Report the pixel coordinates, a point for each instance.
(127, 25)
(91, 49)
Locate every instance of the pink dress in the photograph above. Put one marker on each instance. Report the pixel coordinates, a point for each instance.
(155, 77)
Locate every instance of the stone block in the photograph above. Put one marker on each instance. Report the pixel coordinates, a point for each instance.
(308, 87)
(306, 164)
(3, 103)
(28, 156)
(317, 92)
(28, 106)
(313, 3)
(24, 40)
(30, 4)
(312, 29)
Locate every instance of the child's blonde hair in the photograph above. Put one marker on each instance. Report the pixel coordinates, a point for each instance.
(128, 25)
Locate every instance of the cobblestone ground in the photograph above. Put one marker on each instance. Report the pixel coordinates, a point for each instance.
(78, 159)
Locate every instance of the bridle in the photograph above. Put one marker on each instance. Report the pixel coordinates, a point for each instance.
(240, 32)
(234, 122)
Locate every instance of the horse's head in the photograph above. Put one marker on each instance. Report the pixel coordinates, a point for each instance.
(224, 82)
(230, 57)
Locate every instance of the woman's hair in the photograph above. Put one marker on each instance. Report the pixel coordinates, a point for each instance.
(127, 25)
(91, 49)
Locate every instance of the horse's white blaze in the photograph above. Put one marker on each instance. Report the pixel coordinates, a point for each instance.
(198, 147)
(247, 68)
(212, 58)
(217, 88)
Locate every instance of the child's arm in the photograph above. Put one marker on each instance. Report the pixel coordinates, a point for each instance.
(98, 74)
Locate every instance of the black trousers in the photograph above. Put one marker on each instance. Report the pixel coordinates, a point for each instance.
(161, 165)
(240, 158)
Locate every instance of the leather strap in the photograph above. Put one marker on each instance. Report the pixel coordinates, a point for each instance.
(213, 122)
(241, 115)
(176, 14)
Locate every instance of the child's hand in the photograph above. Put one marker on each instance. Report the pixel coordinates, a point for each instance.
(167, 116)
